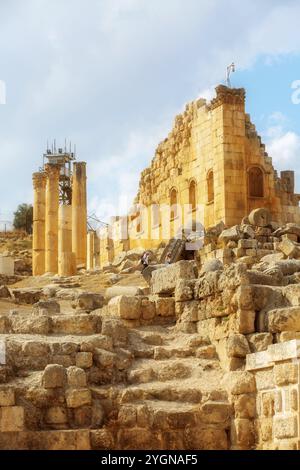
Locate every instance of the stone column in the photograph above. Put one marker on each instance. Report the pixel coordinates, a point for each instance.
(96, 251)
(66, 258)
(90, 249)
(52, 203)
(38, 242)
(79, 213)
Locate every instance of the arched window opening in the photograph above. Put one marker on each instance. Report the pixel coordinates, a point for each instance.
(256, 182)
(192, 195)
(210, 186)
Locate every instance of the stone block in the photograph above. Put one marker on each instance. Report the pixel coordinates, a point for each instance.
(11, 419)
(232, 233)
(286, 373)
(4, 292)
(287, 445)
(237, 346)
(289, 236)
(259, 341)
(7, 265)
(29, 324)
(4, 324)
(54, 376)
(35, 348)
(148, 309)
(205, 438)
(7, 396)
(138, 439)
(27, 295)
(278, 401)
(243, 433)
(125, 307)
(240, 382)
(247, 244)
(164, 280)
(56, 415)
(102, 439)
(243, 321)
(245, 406)
(264, 379)
(284, 351)
(84, 360)
(206, 352)
(284, 319)
(268, 403)
(50, 307)
(77, 324)
(212, 265)
(165, 306)
(78, 397)
(244, 297)
(104, 358)
(76, 377)
(292, 294)
(88, 301)
(206, 285)
(184, 290)
(82, 416)
(127, 416)
(285, 427)
(287, 336)
(251, 252)
(215, 413)
(294, 400)
(97, 414)
(266, 429)
(289, 248)
(115, 329)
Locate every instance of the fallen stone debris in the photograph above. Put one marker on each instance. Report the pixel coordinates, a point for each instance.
(204, 355)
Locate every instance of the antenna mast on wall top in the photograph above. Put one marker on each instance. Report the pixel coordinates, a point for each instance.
(229, 71)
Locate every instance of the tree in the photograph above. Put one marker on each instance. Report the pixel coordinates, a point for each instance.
(23, 218)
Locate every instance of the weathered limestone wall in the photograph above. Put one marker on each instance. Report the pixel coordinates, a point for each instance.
(217, 137)
(277, 376)
(79, 213)
(214, 148)
(39, 211)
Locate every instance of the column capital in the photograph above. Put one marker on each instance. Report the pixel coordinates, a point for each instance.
(39, 179)
(79, 169)
(227, 95)
(52, 170)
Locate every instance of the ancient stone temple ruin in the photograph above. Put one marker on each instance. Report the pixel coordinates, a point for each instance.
(59, 215)
(211, 168)
(202, 353)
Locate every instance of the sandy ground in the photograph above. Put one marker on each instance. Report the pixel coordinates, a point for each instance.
(88, 282)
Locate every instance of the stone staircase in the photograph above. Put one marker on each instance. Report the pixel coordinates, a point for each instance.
(173, 399)
(149, 387)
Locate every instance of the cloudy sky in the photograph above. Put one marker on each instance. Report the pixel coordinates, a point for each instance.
(111, 75)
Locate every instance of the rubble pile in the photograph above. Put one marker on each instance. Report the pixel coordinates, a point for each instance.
(206, 357)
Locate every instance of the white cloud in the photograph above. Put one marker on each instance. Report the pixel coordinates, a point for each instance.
(208, 93)
(111, 75)
(285, 150)
(282, 144)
